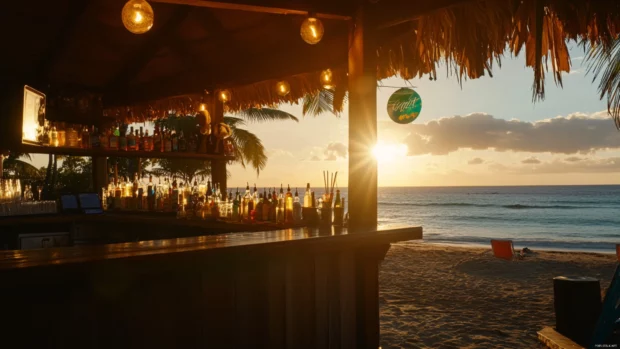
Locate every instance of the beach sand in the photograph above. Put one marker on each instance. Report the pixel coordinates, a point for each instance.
(439, 296)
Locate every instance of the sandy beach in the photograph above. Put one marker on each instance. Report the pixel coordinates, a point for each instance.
(439, 296)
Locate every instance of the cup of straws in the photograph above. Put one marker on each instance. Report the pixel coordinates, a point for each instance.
(328, 197)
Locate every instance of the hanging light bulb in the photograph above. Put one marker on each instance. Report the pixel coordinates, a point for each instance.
(312, 30)
(137, 16)
(283, 88)
(326, 79)
(224, 96)
(203, 107)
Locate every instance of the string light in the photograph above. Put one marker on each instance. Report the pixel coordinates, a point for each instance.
(283, 88)
(327, 78)
(203, 107)
(138, 16)
(312, 30)
(224, 96)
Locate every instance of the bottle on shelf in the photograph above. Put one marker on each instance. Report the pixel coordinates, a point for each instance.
(266, 205)
(122, 139)
(72, 137)
(62, 135)
(95, 142)
(114, 139)
(157, 143)
(296, 207)
(140, 139)
(167, 141)
(85, 138)
(245, 203)
(308, 196)
(104, 140)
(174, 139)
(54, 137)
(182, 143)
(131, 140)
(259, 208)
(288, 215)
(148, 141)
(337, 200)
(236, 203)
(280, 210)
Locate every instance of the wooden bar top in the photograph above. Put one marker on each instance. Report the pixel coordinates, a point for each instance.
(16, 259)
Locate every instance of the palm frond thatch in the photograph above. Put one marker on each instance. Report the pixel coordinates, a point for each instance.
(318, 103)
(265, 114)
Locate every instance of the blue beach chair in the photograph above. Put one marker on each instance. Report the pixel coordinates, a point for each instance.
(610, 315)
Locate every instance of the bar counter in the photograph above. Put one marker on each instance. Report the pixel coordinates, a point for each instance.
(290, 288)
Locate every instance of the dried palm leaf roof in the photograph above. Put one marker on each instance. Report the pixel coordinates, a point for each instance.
(191, 50)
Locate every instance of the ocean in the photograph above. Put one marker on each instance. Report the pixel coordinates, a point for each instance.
(584, 218)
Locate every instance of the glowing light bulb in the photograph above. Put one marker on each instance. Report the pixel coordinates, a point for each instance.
(283, 88)
(203, 107)
(326, 79)
(224, 96)
(138, 16)
(312, 30)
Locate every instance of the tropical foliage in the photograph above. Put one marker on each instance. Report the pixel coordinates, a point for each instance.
(604, 63)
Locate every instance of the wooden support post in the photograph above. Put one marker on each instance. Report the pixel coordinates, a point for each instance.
(100, 173)
(362, 123)
(218, 167)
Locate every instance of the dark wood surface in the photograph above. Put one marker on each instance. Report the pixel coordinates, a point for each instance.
(36, 149)
(253, 240)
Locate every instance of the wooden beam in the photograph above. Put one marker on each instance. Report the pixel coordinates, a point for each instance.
(274, 7)
(363, 123)
(154, 42)
(57, 47)
(408, 11)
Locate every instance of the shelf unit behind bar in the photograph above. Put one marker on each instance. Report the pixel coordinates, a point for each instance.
(36, 149)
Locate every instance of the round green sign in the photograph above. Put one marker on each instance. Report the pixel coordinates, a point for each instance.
(404, 106)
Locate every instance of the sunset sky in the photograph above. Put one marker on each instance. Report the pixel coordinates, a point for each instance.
(487, 133)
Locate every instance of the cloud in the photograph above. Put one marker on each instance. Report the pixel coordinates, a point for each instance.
(336, 150)
(576, 133)
(531, 161)
(332, 152)
(475, 161)
(599, 165)
(274, 153)
(574, 159)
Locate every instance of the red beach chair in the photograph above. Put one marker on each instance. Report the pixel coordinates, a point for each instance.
(503, 249)
(618, 251)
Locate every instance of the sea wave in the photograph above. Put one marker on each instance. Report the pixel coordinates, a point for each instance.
(549, 244)
(467, 204)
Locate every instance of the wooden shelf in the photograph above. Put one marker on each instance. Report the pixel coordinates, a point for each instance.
(36, 149)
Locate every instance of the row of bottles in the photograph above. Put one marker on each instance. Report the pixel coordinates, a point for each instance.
(204, 200)
(130, 139)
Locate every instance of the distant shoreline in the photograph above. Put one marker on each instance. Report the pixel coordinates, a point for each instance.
(519, 246)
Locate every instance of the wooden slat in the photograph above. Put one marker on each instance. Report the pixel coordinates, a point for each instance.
(277, 310)
(273, 7)
(348, 315)
(555, 340)
(322, 301)
(299, 303)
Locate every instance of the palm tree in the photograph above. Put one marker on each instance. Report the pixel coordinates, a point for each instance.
(604, 61)
(249, 149)
(20, 168)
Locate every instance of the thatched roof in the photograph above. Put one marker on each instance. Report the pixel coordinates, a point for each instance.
(82, 44)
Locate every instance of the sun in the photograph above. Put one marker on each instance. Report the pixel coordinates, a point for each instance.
(389, 152)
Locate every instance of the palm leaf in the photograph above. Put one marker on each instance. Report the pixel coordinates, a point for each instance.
(265, 114)
(318, 103)
(233, 121)
(249, 149)
(604, 62)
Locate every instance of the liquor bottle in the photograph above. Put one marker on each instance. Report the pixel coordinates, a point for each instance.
(259, 207)
(157, 143)
(114, 139)
(148, 141)
(54, 137)
(95, 141)
(167, 141)
(140, 140)
(337, 201)
(122, 140)
(274, 206)
(245, 202)
(255, 196)
(308, 197)
(209, 193)
(175, 141)
(150, 193)
(235, 208)
(104, 140)
(131, 140)
(174, 197)
(280, 210)
(296, 208)
(266, 205)
(72, 137)
(118, 193)
(288, 216)
(313, 200)
(85, 138)
(182, 142)
(62, 135)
